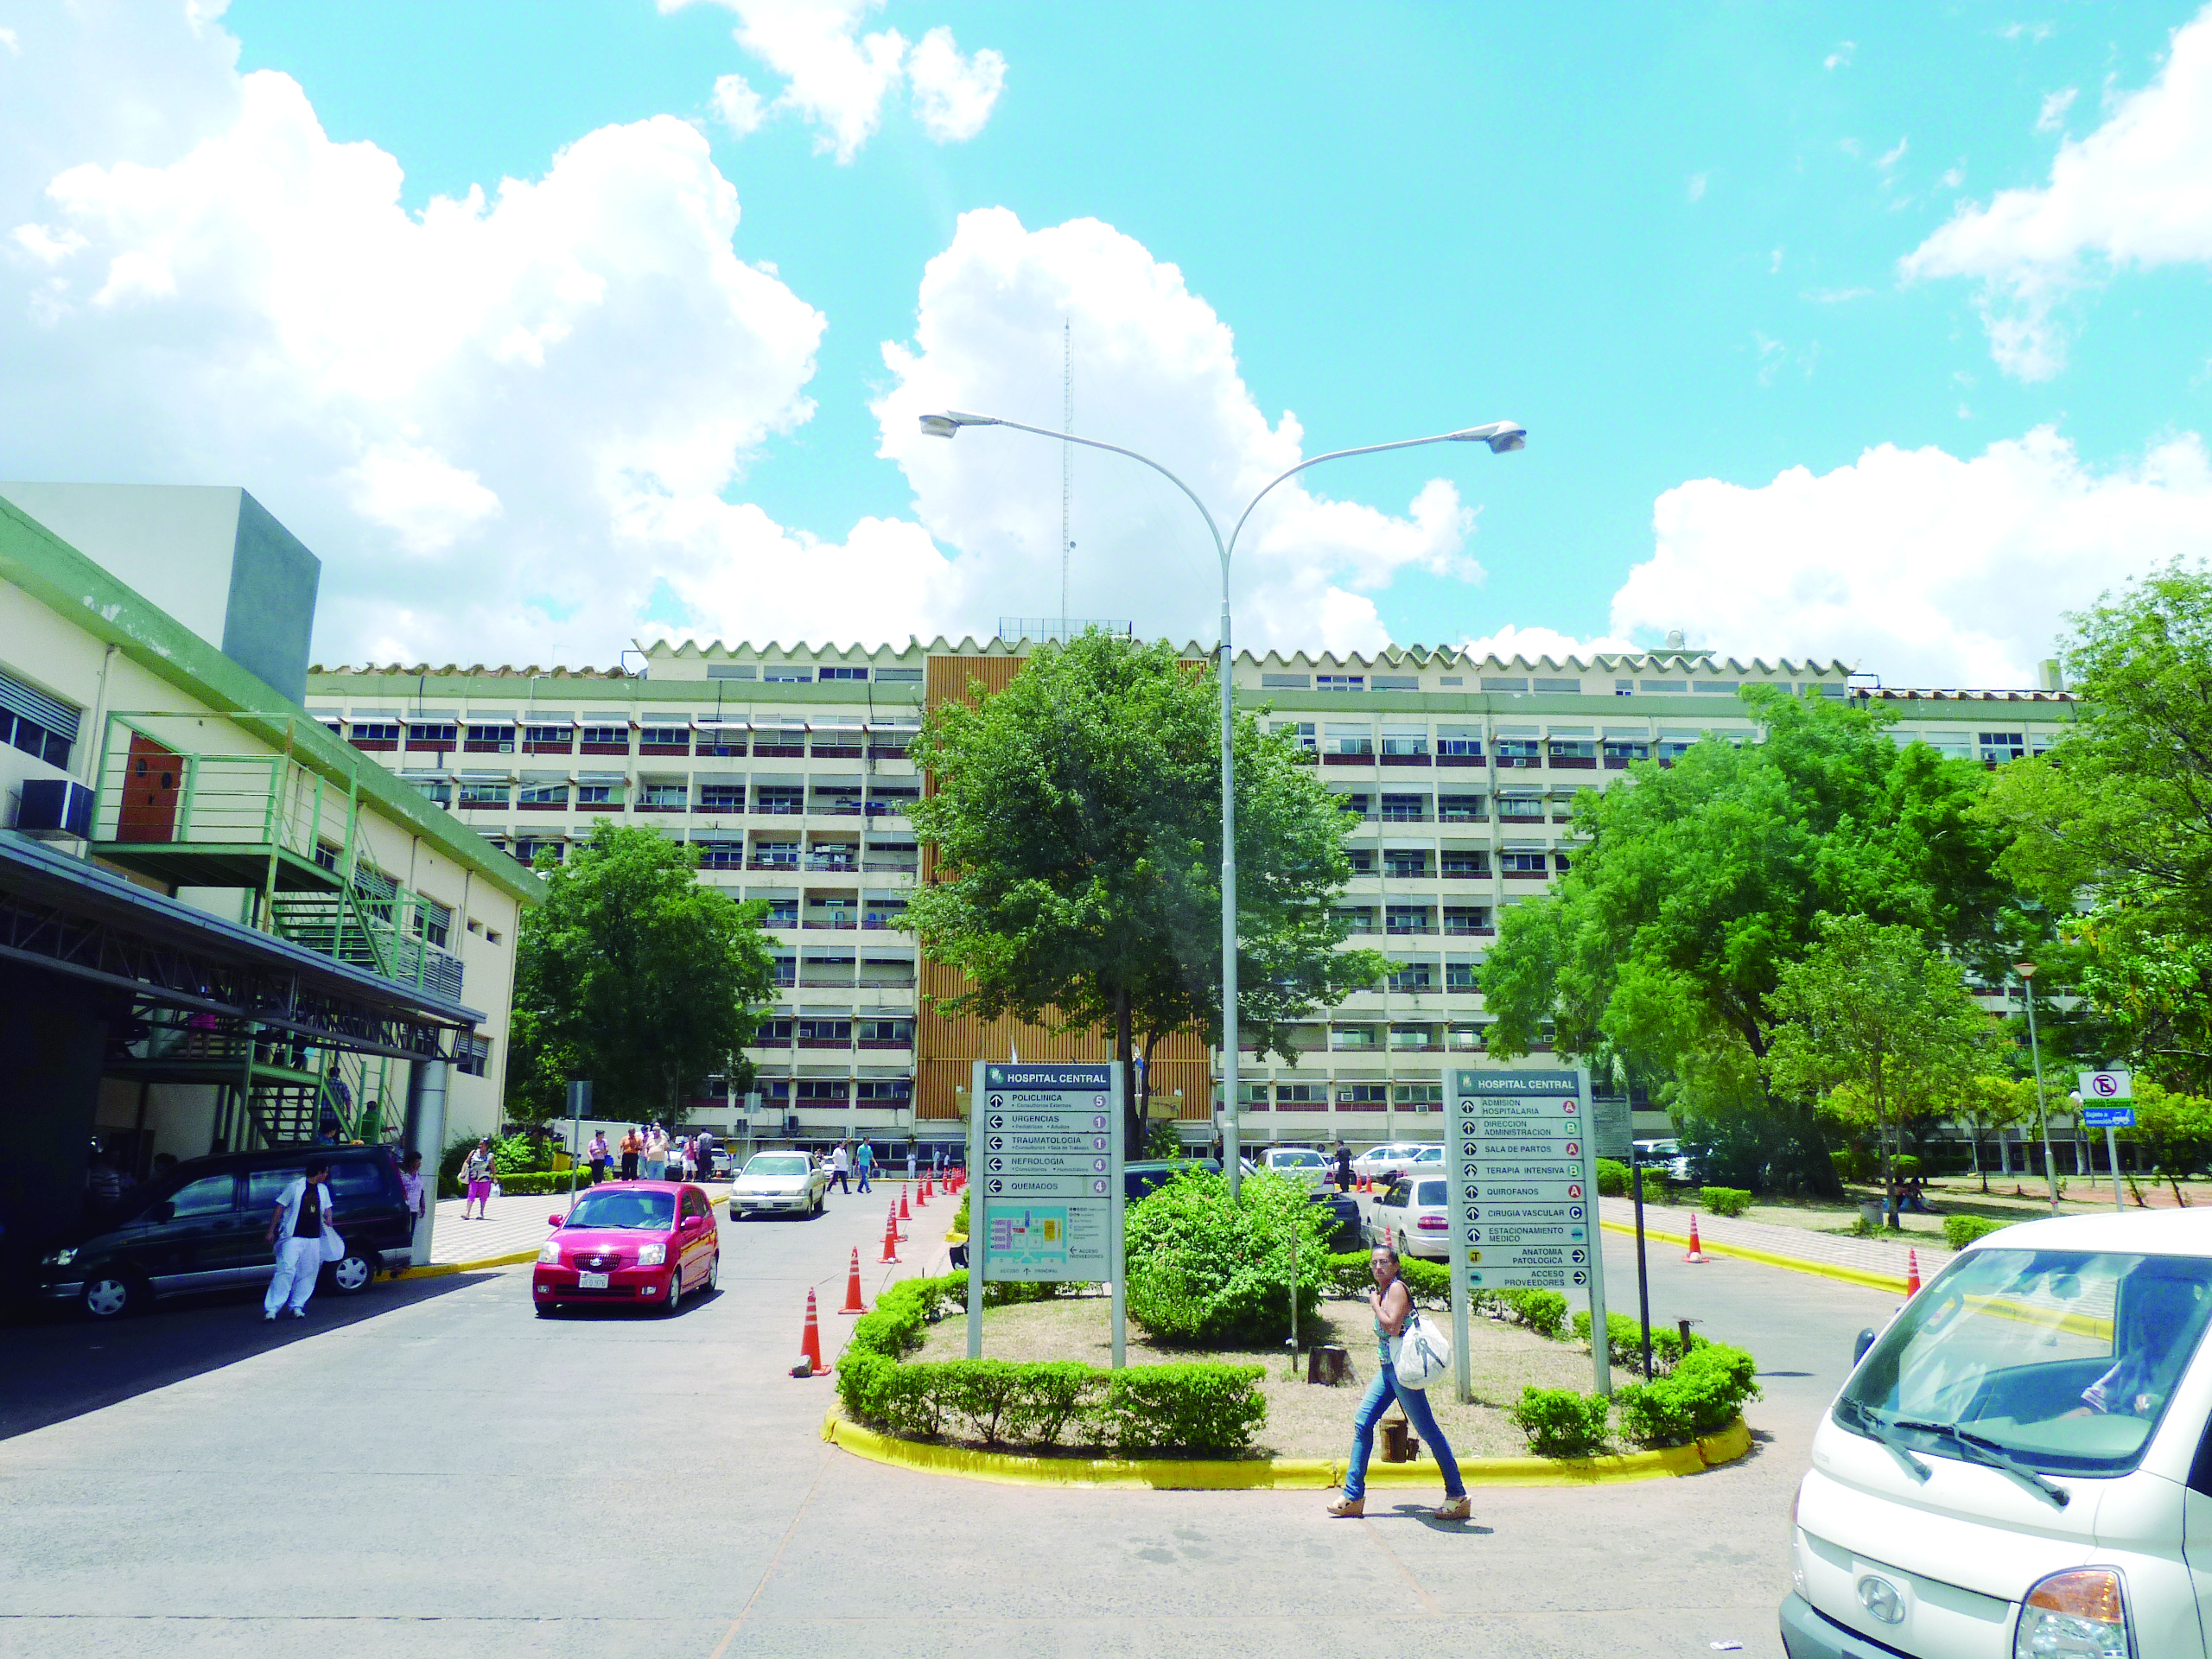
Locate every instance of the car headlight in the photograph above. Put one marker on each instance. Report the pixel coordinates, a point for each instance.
(2074, 1615)
(652, 1255)
(60, 1258)
(550, 1252)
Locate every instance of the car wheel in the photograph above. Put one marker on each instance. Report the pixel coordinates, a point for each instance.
(108, 1294)
(713, 1272)
(821, 1202)
(547, 1310)
(354, 1272)
(674, 1298)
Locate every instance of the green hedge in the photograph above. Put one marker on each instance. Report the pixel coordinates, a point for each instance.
(1144, 1407)
(541, 1183)
(1429, 1283)
(1959, 1231)
(1724, 1200)
(1701, 1395)
(1206, 1267)
(1624, 1335)
(1612, 1178)
(1562, 1422)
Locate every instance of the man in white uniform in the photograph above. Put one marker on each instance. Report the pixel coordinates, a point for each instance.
(296, 1227)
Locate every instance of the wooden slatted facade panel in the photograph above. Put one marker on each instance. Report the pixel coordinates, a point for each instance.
(946, 1047)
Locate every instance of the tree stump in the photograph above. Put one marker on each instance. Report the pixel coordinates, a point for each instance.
(1328, 1365)
(1397, 1441)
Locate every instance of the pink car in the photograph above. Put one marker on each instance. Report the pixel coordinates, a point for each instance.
(629, 1242)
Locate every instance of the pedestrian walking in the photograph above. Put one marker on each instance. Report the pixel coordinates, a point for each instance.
(707, 1145)
(1393, 1307)
(864, 1162)
(633, 1146)
(840, 1167)
(910, 1161)
(597, 1155)
(476, 1181)
(656, 1154)
(1343, 1167)
(297, 1226)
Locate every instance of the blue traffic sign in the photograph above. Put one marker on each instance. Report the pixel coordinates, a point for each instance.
(2108, 1118)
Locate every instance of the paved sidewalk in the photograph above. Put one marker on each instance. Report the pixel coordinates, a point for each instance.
(1867, 1255)
(517, 1225)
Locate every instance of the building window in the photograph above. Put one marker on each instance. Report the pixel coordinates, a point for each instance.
(884, 913)
(897, 676)
(1460, 975)
(473, 1054)
(1285, 682)
(481, 796)
(775, 854)
(892, 800)
(1413, 976)
(844, 673)
(1458, 746)
(664, 739)
(599, 739)
(491, 739)
(432, 736)
(1504, 683)
(433, 923)
(1339, 682)
(780, 798)
(1350, 743)
(1517, 751)
(1573, 752)
(772, 1034)
(1406, 863)
(786, 970)
(1358, 804)
(437, 790)
(823, 1091)
(1397, 682)
(664, 798)
(541, 738)
(825, 1033)
(722, 798)
(597, 795)
(1573, 687)
(1301, 1097)
(1409, 919)
(1527, 809)
(1465, 864)
(733, 671)
(1461, 809)
(528, 851)
(721, 854)
(1421, 1097)
(786, 675)
(1997, 747)
(883, 1092)
(1666, 752)
(1522, 864)
(1360, 860)
(545, 797)
(780, 913)
(1717, 687)
(1405, 808)
(1620, 751)
(1363, 1097)
(1623, 688)
(885, 1034)
(375, 735)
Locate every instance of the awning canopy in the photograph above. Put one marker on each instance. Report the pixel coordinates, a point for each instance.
(67, 916)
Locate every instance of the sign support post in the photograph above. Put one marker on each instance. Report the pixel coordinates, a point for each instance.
(1045, 1197)
(579, 1108)
(2107, 1086)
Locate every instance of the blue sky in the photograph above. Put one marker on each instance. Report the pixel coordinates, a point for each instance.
(1693, 248)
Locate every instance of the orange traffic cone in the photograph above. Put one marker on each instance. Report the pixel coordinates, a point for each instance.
(902, 1203)
(810, 1346)
(891, 1236)
(853, 1303)
(922, 1197)
(1911, 1275)
(1696, 1255)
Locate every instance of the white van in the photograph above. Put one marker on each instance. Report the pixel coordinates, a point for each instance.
(2019, 1464)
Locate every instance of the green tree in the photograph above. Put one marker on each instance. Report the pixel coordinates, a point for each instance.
(1872, 1010)
(1075, 819)
(1702, 881)
(2175, 1129)
(632, 974)
(2116, 821)
(1990, 1102)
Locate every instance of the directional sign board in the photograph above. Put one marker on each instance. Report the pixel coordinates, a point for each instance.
(1523, 1149)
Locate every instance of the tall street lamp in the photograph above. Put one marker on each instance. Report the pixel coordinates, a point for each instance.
(2026, 970)
(1502, 436)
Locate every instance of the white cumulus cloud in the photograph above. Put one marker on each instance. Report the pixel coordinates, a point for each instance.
(2135, 193)
(2052, 116)
(1534, 644)
(1155, 370)
(837, 77)
(1926, 568)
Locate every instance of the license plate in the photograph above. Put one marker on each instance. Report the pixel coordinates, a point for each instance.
(591, 1281)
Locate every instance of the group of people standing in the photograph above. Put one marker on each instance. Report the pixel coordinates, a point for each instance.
(651, 1152)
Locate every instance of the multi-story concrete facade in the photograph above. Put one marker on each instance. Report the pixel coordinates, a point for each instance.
(787, 767)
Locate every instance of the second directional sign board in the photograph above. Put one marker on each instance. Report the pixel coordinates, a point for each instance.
(1524, 1217)
(1046, 1168)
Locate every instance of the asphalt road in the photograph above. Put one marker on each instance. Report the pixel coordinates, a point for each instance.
(435, 1465)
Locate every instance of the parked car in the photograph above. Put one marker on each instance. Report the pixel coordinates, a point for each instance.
(1413, 1215)
(787, 1183)
(1300, 1163)
(204, 1227)
(633, 1242)
(2017, 1464)
(1383, 1164)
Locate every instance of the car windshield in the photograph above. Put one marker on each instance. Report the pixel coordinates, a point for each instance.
(1302, 1160)
(616, 1208)
(780, 1163)
(1430, 1192)
(2062, 1361)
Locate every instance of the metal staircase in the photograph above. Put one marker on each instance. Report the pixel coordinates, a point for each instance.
(372, 924)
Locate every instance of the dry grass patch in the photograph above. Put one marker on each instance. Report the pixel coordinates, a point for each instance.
(1304, 1421)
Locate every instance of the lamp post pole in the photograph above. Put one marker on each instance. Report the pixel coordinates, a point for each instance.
(2027, 973)
(1502, 436)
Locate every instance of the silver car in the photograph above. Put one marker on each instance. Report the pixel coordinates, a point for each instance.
(1413, 1215)
(779, 1183)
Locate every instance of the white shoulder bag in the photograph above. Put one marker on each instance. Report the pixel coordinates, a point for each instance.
(1424, 1353)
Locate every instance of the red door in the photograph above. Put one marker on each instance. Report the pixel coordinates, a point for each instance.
(152, 775)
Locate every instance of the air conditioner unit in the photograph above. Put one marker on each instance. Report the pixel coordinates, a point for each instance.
(54, 806)
(791, 1123)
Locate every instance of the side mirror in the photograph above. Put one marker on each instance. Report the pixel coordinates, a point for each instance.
(554, 1221)
(1860, 1345)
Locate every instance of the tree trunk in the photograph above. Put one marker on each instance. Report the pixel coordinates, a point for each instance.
(1132, 1125)
(1974, 1147)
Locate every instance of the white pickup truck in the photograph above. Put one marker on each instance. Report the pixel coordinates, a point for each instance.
(2019, 1465)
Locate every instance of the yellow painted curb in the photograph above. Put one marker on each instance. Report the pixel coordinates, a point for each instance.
(1795, 1264)
(1281, 1474)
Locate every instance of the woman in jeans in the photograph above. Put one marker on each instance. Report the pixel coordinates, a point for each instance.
(1393, 1307)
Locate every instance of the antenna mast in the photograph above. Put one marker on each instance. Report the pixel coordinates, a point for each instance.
(1067, 460)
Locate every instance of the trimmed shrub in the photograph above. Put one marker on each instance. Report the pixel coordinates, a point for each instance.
(1625, 1341)
(1905, 1166)
(1429, 1283)
(1612, 1178)
(1724, 1200)
(1183, 1408)
(1959, 1231)
(1562, 1422)
(1543, 1312)
(1701, 1395)
(1205, 1267)
(540, 1183)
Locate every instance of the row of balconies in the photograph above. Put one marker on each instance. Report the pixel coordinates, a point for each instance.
(438, 743)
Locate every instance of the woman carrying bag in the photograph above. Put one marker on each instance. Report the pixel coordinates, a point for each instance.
(1410, 1359)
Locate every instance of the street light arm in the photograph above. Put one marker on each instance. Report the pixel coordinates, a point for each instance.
(1116, 448)
(1333, 454)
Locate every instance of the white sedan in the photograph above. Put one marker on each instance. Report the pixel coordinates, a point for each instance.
(788, 1183)
(1414, 1216)
(1300, 1163)
(1394, 1157)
